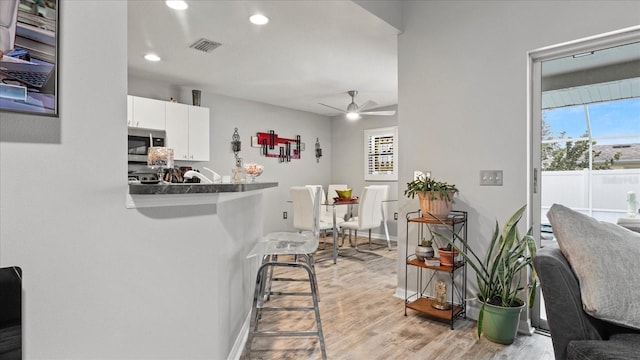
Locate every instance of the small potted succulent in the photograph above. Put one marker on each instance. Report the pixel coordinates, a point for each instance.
(447, 255)
(424, 250)
(436, 197)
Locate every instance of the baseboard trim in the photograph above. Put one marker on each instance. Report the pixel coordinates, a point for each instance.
(241, 339)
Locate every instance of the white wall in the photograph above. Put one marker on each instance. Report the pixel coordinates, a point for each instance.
(463, 95)
(347, 165)
(105, 282)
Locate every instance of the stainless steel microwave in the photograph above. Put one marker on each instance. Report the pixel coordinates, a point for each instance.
(140, 140)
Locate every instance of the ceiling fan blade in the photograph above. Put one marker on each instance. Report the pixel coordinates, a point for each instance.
(367, 105)
(385, 113)
(334, 108)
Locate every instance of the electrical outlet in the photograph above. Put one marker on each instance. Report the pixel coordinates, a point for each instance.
(490, 177)
(284, 215)
(395, 216)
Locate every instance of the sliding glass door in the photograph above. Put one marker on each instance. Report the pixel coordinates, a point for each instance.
(584, 131)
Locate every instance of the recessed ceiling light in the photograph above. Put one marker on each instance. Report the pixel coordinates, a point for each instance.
(177, 4)
(259, 19)
(152, 57)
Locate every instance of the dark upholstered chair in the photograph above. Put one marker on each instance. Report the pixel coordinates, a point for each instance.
(574, 333)
(10, 313)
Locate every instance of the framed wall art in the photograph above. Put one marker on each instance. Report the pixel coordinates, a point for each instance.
(29, 32)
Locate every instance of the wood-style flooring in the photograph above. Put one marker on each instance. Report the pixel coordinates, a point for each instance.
(361, 319)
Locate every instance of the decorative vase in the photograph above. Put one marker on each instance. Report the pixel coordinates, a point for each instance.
(500, 324)
(196, 95)
(440, 302)
(424, 252)
(438, 207)
(447, 257)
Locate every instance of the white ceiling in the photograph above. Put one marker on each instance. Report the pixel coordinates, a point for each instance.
(309, 52)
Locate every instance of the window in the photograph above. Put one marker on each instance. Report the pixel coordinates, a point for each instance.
(381, 154)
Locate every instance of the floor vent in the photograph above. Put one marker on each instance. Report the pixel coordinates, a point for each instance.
(205, 45)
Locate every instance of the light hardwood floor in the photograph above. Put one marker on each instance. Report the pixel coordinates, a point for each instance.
(362, 319)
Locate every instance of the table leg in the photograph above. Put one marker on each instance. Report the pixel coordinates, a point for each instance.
(335, 236)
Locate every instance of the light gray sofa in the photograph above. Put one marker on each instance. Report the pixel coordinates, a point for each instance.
(574, 333)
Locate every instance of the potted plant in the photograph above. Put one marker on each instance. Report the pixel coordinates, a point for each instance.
(424, 250)
(499, 278)
(436, 197)
(447, 255)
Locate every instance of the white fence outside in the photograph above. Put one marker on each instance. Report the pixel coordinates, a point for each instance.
(607, 200)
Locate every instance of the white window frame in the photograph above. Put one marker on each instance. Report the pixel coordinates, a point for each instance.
(373, 174)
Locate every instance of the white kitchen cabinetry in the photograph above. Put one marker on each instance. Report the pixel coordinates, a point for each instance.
(188, 131)
(145, 113)
(129, 110)
(198, 133)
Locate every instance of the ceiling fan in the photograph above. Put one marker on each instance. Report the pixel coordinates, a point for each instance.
(354, 111)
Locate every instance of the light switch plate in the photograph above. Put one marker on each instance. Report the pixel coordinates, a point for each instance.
(490, 177)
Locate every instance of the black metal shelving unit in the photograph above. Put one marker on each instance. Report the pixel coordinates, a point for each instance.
(456, 223)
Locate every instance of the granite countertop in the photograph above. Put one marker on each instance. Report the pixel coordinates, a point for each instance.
(193, 188)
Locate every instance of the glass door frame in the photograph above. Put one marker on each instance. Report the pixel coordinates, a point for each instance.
(534, 121)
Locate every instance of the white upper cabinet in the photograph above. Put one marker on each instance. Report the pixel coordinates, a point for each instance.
(177, 126)
(198, 133)
(129, 110)
(187, 126)
(146, 113)
(188, 131)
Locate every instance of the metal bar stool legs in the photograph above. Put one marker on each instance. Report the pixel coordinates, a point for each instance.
(263, 291)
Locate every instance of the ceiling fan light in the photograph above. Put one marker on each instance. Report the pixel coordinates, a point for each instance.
(352, 108)
(258, 19)
(152, 57)
(176, 4)
(353, 115)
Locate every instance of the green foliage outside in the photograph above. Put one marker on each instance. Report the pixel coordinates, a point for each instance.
(572, 155)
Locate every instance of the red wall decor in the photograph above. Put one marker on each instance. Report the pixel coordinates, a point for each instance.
(272, 145)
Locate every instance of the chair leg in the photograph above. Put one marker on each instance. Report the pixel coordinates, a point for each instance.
(386, 232)
(355, 238)
(316, 298)
(256, 310)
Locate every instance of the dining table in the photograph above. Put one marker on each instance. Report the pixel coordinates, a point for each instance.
(339, 202)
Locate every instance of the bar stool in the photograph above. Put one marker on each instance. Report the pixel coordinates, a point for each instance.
(300, 245)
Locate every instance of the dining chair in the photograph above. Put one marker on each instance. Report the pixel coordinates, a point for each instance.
(301, 221)
(300, 244)
(341, 211)
(370, 213)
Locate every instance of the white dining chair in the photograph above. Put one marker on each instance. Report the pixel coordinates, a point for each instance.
(300, 244)
(326, 216)
(341, 211)
(370, 213)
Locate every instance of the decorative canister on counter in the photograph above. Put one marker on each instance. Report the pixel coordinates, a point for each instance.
(238, 173)
(160, 157)
(252, 171)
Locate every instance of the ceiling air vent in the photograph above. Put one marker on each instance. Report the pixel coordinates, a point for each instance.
(205, 45)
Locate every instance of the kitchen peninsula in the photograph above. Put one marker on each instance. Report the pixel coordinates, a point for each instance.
(175, 194)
